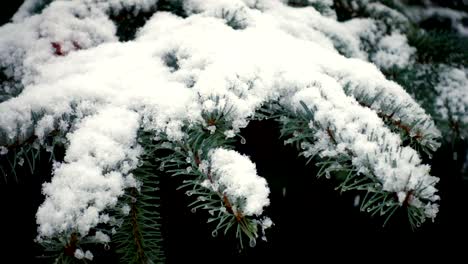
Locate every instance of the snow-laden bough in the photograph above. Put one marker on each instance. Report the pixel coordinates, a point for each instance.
(236, 55)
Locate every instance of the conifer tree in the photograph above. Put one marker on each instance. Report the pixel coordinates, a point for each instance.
(121, 100)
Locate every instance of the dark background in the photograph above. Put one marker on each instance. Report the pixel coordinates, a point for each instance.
(313, 222)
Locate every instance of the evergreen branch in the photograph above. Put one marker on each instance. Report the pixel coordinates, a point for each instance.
(421, 81)
(384, 12)
(27, 146)
(418, 134)
(28, 151)
(62, 249)
(139, 239)
(190, 159)
(377, 201)
(437, 46)
(10, 87)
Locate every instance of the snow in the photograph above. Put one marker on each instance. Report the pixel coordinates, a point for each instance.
(235, 176)
(26, 9)
(79, 254)
(101, 237)
(393, 51)
(100, 92)
(63, 27)
(3, 150)
(452, 102)
(101, 153)
(397, 168)
(456, 17)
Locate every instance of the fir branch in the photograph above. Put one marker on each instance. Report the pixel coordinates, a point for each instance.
(9, 86)
(139, 239)
(62, 249)
(419, 80)
(27, 154)
(377, 201)
(190, 159)
(419, 134)
(436, 46)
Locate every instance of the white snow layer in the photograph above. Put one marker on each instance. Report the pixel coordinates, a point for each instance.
(452, 101)
(70, 64)
(393, 51)
(235, 176)
(101, 153)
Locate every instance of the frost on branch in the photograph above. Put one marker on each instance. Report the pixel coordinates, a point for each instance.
(452, 102)
(345, 130)
(228, 59)
(235, 176)
(101, 153)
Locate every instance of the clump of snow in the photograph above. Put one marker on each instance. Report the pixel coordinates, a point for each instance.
(79, 254)
(3, 150)
(235, 176)
(63, 27)
(125, 209)
(101, 237)
(393, 51)
(111, 89)
(452, 102)
(359, 134)
(102, 151)
(308, 24)
(265, 223)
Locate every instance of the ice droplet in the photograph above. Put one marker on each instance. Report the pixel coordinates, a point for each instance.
(243, 141)
(106, 247)
(49, 148)
(3, 150)
(214, 233)
(252, 242)
(189, 193)
(193, 210)
(357, 199)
